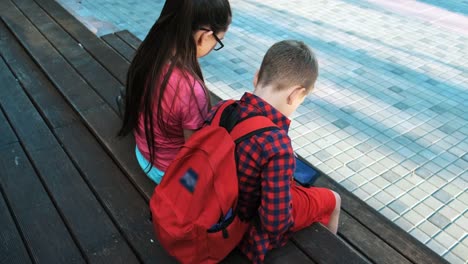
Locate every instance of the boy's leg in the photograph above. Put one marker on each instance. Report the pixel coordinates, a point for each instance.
(315, 205)
(335, 216)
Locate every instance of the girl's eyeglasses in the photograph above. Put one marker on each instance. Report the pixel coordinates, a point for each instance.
(219, 44)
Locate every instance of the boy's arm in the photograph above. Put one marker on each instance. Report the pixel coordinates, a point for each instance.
(275, 210)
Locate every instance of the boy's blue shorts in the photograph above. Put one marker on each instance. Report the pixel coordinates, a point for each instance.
(154, 174)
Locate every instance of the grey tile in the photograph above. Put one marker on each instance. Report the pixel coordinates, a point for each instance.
(323, 155)
(355, 165)
(439, 220)
(363, 147)
(349, 185)
(404, 224)
(423, 173)
(436, 247)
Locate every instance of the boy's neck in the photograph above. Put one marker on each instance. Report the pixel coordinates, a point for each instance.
(273, 97)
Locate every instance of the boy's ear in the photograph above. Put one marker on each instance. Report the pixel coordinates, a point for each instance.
(297, 92)
(255, 80)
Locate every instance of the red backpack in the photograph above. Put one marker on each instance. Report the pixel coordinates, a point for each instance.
(193, 208)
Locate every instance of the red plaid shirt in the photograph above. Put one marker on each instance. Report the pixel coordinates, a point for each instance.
(265, 169)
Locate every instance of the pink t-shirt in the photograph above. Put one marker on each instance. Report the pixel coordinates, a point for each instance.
(181, 110)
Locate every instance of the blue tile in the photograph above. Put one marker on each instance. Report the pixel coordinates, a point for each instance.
(240, 71)
(340, 123)
(442, 196)
(398, 207)
(439, 220)
(359, 71)
(213, 79)
(465, 157)
(438, 109)
(236, 60)
(236, 86)
(397, 71)
(447, 129)
(402, 106)
(391, 176)
(396, 89)
(432, 82)
(348, 109)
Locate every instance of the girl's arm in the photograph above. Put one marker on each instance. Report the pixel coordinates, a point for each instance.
(188, 133)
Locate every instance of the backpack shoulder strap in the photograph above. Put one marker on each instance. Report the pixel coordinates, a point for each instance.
(219, 112)
(252, 126)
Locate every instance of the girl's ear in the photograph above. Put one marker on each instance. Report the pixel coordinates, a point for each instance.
(202, 36)
(297, 93)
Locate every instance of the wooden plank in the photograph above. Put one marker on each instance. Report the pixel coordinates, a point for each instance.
(34, 211)
(386, 230)
(95, 74)
(88, 222)
(236, 257)
(12, 248)
(7, 135)
(367, 243)
(78, 94)
(322, 246)
(107, 180)
(119, 46)
(86, 38)
(32, 78)
(129, 38)
(124, 203)
(287, 254)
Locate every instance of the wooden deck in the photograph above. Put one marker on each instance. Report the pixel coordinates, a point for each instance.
(71, 192)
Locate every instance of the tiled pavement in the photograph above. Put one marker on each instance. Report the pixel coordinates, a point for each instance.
(389, 116)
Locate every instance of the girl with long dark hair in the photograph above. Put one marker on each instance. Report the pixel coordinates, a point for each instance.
(166, 97)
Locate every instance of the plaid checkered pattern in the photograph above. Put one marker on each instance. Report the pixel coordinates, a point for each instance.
(265, 168)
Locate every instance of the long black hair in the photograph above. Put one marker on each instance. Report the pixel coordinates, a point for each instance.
(170, 42)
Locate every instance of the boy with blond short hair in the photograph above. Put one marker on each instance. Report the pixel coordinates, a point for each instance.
(268, 197)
